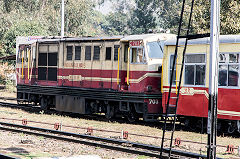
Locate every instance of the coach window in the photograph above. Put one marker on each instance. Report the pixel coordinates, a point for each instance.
(228, 69)
(137, 55)
(69, 52)
(126, 46)
(170, 70)
(108, 53)
(195, 69)
(116, 52)
(42, 63)
(88, 52)
(47, 62)
(78, 52)
(96, 53)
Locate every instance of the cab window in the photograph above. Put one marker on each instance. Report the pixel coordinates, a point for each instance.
(228, 69)
(137, 55)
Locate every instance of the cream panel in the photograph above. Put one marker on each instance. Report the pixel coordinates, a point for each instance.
(61, 55)
(43, 48)
(53, 48)
(138, 67)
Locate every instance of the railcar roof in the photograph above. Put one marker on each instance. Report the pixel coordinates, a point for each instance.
(222, 39)
(161, 36)
(56, 39)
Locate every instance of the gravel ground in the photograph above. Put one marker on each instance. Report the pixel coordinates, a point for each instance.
(28, 146)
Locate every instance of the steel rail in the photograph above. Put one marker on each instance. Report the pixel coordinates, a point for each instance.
(101, 130)
(100, 139)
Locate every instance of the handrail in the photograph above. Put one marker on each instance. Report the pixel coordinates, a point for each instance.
(28, 61)
(118, 66)
(128, 66)
(22, 62)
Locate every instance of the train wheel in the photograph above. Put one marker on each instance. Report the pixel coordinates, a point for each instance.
(131, 117)
(231, 129)
(109, 112)
(44, 103)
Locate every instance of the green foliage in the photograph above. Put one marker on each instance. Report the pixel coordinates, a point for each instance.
(42, 17)
(142, 18)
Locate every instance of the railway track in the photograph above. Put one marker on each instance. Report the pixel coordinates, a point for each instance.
(119, 145)
(149, 147)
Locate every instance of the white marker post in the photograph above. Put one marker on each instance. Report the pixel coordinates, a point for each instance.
(213, 78)
(62, 21)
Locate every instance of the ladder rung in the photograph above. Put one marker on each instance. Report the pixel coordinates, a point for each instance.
(172, 105)
(173, 97)
(179, 63)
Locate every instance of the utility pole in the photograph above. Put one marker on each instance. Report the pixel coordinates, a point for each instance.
(213, 78)
(62, 21)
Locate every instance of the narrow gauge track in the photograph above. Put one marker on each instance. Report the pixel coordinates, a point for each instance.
(119, 145)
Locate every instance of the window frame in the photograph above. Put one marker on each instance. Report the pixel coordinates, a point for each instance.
(81, 48)
(195, 64)
(71, 54)
(144, 54)
(94, 55)
(169, 70)
(227, 63)
(47, 66)
(110, 53)
(85, 49)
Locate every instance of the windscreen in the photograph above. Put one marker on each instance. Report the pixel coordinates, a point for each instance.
(155, 49)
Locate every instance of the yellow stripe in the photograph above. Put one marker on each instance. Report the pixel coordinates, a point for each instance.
(118, 66)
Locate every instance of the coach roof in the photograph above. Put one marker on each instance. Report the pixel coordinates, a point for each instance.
(222, 39)
(161, 36)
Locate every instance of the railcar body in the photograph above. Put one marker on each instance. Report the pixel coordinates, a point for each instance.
(193, 98)
(112, 75)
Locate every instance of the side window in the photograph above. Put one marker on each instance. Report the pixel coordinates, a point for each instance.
(137, 55)
(126, 53)
(42, 59)
(228, 69)
(78, 52)
(116, 52)
(96, 55)
(195, 67)
(47, 62)
(108, 53)
(170, 69)
(88, 52)
(69, 52)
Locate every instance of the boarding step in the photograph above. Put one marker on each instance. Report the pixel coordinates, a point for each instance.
(172, 105)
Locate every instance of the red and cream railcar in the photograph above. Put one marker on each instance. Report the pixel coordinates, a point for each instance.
(112, 75)
(193, 100)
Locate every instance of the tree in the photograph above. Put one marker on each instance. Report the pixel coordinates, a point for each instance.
(142, 18)
(42, 17)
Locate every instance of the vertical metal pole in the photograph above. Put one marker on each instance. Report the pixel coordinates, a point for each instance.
(62, 21)
(213, 78)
